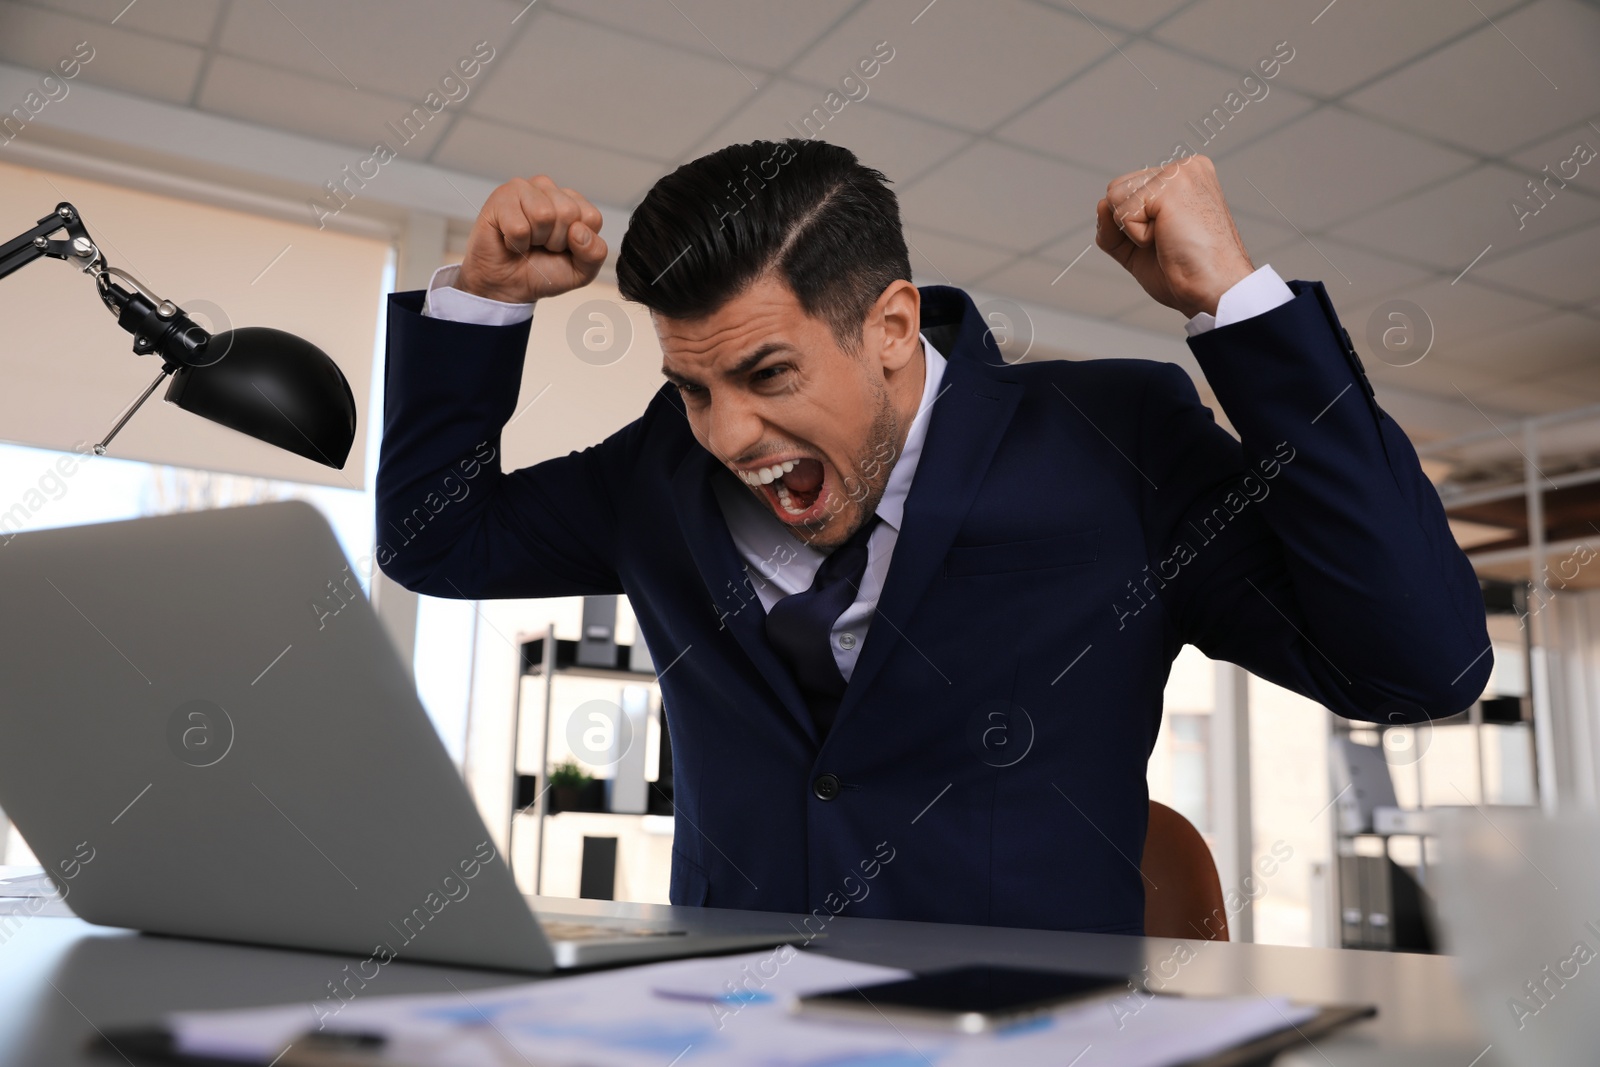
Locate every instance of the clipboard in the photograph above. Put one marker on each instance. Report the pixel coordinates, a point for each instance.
(154, 1047)
(1261, 1051)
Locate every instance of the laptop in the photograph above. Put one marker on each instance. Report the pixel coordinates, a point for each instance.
(206, 732)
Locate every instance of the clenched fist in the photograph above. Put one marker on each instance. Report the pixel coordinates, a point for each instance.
(1170, 227)
(532, 239)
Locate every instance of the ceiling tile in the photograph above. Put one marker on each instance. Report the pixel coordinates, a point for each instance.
(1000, 196)
(764, 33)
(602, 87)
(147, 66)
(1350, 274)
(1124, 14)
(1449, 224)
(330, 110)
(500, 153)
(938, 259)
(405, 47)
(896, 144)
(1560, 342)
(1346, 45)
(1580, 383)
(181, 20)
(1133, 110)
(1560, 155)
(1328, 166)
(1260, 236)
(1080, 242)
(1092, 287)
(1534, 398)
(969, 65)
(1561, 270)
(1521, 79)
(1437, 377)
(1389, 336)
(1459, 314)
(1150, 315)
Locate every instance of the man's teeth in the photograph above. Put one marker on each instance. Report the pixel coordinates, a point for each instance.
(767, 475)
(788, 503)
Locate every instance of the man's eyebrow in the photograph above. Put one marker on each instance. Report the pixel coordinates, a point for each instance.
(761, 353)
(743, 366)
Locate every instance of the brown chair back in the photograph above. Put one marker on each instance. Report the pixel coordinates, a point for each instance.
(1182, 894)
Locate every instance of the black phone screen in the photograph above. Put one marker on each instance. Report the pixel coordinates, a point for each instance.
(985, 990)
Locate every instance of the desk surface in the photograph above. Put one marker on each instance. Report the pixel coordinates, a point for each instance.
(62, 979)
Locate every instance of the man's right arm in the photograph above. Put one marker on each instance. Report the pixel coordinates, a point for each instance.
(450, 522)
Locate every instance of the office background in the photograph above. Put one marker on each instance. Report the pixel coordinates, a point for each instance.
(1433, 163)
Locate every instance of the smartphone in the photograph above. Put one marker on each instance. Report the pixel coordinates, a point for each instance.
(967, 1000)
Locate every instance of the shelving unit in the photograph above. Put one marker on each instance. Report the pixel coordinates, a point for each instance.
(547, 659)
(1522, 498)
(1368, 898)
(1531, 489)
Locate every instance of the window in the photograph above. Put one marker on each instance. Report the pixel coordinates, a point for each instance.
(1190, 738)
(70, 371)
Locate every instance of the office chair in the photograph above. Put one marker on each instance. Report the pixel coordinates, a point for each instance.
(1182, 894)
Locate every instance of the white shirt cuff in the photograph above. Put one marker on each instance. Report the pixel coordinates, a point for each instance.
(444, 301)
(1255, 294)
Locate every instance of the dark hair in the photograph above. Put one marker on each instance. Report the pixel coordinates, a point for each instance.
(827, 224)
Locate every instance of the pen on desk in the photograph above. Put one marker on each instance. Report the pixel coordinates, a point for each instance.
(711, 998)
(329, 1049)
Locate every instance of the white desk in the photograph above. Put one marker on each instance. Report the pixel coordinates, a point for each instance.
(61, 978)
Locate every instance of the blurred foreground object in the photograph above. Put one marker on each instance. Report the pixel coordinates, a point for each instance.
(1519, 906)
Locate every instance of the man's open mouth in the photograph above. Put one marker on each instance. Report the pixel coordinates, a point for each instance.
(793, 487)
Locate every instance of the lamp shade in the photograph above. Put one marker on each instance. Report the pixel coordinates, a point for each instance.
(275, 387)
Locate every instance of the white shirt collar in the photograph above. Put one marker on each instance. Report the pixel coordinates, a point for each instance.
(891, 509)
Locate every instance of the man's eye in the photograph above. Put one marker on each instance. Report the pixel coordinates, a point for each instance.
(769, 373)
(690, 389)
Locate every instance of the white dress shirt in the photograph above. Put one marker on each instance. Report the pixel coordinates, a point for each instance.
(777, 562)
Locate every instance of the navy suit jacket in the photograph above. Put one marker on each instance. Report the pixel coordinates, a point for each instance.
(1070, 527)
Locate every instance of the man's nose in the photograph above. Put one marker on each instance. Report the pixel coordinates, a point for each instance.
(733, 430)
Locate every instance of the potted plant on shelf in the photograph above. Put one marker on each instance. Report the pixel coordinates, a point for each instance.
(568, 783)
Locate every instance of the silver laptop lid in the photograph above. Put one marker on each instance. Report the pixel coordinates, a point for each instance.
(205, 731)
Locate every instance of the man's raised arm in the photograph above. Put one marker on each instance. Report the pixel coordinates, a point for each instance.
(1313, 551)
(450, 522)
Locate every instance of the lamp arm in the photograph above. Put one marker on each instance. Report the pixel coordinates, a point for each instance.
(36, 243)
(158, 326)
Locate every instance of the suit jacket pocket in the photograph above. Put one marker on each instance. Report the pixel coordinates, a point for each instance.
(1059, 550)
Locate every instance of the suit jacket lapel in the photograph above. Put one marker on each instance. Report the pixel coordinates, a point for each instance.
(971, 414)
(706, 532)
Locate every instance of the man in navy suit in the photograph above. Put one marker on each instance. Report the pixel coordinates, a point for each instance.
(916, 606)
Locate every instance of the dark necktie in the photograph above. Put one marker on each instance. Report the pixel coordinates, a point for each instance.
(800, 625)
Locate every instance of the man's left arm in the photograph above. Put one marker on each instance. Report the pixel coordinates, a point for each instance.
(1313, 551)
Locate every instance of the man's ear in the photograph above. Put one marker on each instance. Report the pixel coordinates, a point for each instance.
(897, 318)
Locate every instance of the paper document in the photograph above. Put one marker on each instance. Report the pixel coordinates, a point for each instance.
(723, 1011)
(26, 882)
(29, 891)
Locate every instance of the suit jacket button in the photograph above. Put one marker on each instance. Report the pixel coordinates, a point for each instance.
(826, 787)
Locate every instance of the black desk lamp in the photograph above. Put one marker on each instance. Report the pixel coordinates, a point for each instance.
(262, 382)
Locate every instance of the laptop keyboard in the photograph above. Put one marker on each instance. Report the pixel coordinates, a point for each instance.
(557, 930)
